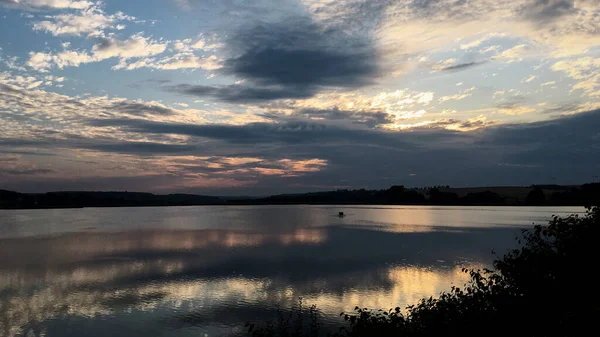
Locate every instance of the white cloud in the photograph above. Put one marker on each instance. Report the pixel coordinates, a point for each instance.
(528, 79)
(68, 58)
(586, 70)
(49, 4)
(135, 46)
(34, 85)
(489, 49)
(514, 54)
(28, 82)
(204, 44)
(181, 45)
(179, 61)
(479, 41)
(90, 21)
(456, 97)
(441, 65)
(580, 68)
(11, 63)
(40, 61)
(548, 83)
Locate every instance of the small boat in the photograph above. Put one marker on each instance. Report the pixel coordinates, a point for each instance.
(341, 214)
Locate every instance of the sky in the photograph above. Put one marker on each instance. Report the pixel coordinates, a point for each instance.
(256, 97)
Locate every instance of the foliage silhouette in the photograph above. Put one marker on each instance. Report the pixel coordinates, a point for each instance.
(290, 323)
(536, 197)
(584, 195)
(545, 288)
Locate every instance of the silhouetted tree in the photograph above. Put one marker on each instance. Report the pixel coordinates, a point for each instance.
(536, 197)
(437, 197)
(482, 198)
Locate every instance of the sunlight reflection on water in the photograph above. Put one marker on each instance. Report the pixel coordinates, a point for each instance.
(185, 271)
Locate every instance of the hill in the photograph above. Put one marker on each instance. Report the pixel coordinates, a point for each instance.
(539, 195)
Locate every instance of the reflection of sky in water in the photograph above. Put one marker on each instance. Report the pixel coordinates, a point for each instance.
(189, 271)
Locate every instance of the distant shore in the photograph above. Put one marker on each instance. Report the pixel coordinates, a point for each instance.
(535, 195)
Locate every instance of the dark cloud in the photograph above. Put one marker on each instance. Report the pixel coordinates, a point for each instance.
(562, 144)
(243, 93)
(298, 52)
(370, 119)
(358, 156)
(140, 148)
(462, 66)
(20, 142)
(139, 109)
(546, 11)
(561, 108)
(149, 83)
(288, 132)
(291, 59)
(441, 9)
(27, 153)
(24, 171)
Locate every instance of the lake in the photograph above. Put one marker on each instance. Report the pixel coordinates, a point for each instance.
(205, 271)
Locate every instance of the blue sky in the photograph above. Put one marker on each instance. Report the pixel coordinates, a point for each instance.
(265, 96)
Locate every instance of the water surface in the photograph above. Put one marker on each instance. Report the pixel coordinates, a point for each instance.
(205, 271)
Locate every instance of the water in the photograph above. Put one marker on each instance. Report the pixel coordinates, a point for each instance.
(205, 271)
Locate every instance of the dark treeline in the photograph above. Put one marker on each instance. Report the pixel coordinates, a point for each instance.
(538, 195)
(587, 194)
(10, 199)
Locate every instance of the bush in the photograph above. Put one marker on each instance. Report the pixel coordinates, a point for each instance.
(291, 323)
(545, 288)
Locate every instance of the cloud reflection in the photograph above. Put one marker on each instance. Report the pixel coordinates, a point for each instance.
(185, 278)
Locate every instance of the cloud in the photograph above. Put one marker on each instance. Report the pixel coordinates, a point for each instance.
(489, 49)
(90, 22)
(175, 62)
(129, 138)
(462, 66)
(241, 93)
(135, 47)
(47, 4)
(298, 53)
(370, 119)
(479, 41)
(206, 44)
(291, 59)
(585, 70)
(514, 54)
(514, 109)
(457, 97)
(20, 172)
(551, 143)
(140, 148)
(142, 109)
(543, 12)
(451, 65)
(528, 79)
(42, 61)
(479, 122)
